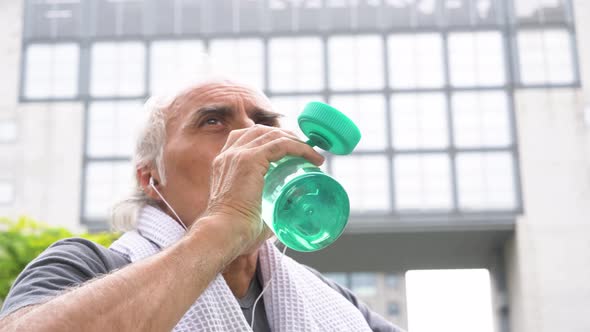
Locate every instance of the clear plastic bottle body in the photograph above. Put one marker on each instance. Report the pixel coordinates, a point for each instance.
(306, 208)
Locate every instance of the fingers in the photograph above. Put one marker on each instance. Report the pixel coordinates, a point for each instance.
(278, 148)
(259, 133)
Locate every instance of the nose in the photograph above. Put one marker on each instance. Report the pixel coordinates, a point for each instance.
(244, 121)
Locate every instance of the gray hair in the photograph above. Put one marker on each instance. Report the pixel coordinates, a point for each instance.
(149, 152)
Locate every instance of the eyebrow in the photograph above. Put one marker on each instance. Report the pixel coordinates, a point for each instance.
(223, 111)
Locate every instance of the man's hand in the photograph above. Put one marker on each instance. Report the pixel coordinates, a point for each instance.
(237, 178)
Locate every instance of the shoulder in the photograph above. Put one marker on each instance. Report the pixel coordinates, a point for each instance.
(65, 264)
(81, 252)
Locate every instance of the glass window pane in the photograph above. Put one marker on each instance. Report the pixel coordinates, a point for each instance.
(54, 18)
(397, 14)
(176, 64)
(340, 278)
(476, 59)
(249, 15)
(6, 192)
(459, 12)
(368, 14)
(540, 11)
(474, 12)
(106, 184)
(415, 61)
(340, 14)
(363, 283)
(425, 13)
(8, 131)
(419, 121)
(52, 71)
(240, 59)
(296, 64)
(118, 69)
(119, 17)
(545, 57)
(368, 113)
(112, 128)
(485, 180)
(223, 18)
(481, 119)
(392, 280)
(393, 309)
(193, 17)
(422, 181)
(356, 62)
(366, 191)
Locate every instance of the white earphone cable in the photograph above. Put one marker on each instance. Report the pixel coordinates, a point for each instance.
(168, 205)
(184, 226)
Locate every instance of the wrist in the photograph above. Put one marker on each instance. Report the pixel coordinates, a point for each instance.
(218, 236)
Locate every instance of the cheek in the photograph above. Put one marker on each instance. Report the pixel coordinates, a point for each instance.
(192, 163)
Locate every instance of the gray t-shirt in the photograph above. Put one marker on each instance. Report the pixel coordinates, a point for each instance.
(71, 262)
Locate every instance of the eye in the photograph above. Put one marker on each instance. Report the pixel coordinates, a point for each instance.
(212, 121)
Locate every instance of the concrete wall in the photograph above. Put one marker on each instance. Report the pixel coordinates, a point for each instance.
(548, 261)
(45, 161)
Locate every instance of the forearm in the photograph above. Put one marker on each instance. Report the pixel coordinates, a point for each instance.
(149, 295)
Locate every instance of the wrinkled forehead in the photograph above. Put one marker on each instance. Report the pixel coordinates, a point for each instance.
(225, 93)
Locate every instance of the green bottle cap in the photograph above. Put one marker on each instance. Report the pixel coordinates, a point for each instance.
(328, 128)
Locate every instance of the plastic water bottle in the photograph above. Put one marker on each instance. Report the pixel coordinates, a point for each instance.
(306, 208)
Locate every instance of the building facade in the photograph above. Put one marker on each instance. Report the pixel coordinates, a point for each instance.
(474, 113)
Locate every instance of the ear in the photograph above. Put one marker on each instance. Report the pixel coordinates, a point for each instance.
(143, 178)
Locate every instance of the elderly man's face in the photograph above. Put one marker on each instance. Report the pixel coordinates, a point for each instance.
(198, 125)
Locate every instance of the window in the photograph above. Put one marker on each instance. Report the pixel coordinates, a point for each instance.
(476, 59)
(392, 280)
(175, 64)
(51, 19)
(340, 278)
(296, 64)
(366, 193)
(545, 57)
(356, 62)
(480, 119)
(363, 283)
(540, 11)
(240, 59)
(368, 113)
(422, 181)
(419, 121)
(415, 61)
(118, 17)
(486, 180)
(52, 71)
(473, 12)
(393, 309)
(105, 184)
(428, 82)
(111, 128)
(118, 69)
(8, 131)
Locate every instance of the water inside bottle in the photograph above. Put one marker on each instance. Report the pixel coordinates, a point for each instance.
(311, 212)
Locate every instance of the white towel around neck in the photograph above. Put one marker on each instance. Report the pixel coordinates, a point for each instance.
(296, 300)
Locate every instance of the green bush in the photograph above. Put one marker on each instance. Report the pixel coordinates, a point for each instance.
(24, 239)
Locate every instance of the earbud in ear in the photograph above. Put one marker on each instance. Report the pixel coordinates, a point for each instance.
(152, 181)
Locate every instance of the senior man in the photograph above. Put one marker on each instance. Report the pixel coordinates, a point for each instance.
(196, 254)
